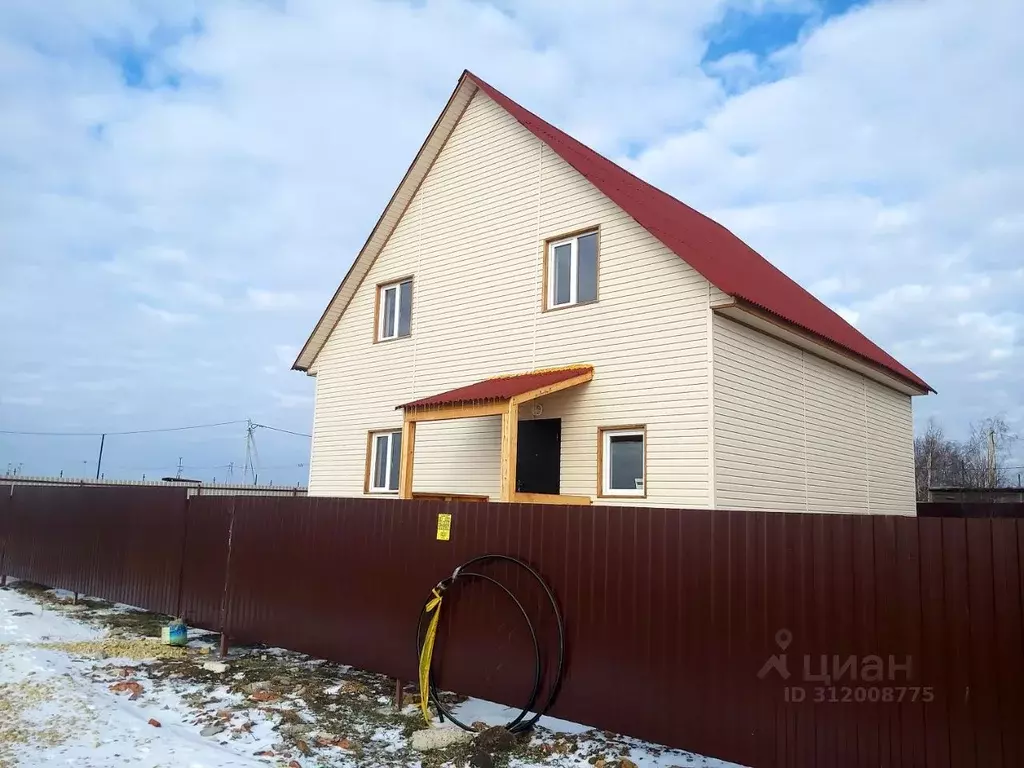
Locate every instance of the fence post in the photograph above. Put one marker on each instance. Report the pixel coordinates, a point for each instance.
(5, 533)
(181, 565)
(224, 641)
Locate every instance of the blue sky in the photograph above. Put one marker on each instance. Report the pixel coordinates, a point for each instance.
(183, 185)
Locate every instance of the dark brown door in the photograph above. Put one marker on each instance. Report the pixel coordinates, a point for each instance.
(538, 459)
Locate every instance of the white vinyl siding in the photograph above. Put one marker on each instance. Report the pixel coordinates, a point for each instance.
(474, 238)
(794, 432)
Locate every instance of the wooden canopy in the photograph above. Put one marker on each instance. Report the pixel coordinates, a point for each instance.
(497, 396)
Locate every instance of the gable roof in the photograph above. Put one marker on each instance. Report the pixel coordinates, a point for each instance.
(711, 249)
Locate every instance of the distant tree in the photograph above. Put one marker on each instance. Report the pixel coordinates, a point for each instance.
(977, 462)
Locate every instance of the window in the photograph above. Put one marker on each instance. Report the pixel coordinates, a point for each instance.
(572, 270)
(394, 310)
(384, 461)
(622, 461)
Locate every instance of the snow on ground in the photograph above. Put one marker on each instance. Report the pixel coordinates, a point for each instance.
(81, 686)
(56, 714)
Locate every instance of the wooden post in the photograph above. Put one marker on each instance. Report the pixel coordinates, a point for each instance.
(224, 643)
(398, 694)
(408, 457)
(509, 444)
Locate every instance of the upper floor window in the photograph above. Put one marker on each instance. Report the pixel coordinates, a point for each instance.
(572, 270)
(394, 310)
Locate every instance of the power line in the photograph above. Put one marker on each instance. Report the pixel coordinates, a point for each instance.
(286, 431)
(125, 432)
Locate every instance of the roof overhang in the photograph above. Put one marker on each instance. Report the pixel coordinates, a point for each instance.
(493, 396)
(754, 317)
(387, 222)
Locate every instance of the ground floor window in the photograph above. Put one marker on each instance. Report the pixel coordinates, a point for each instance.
(622, 461)
(383, 461)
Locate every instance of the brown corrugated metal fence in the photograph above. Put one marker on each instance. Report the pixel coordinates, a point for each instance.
(970, 509)
(5, 516)
(121, 544)
(706, 630)
(205, 560)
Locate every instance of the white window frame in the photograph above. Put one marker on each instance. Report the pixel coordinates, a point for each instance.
(573, 242)
(381, 291)
(391, 435)
(606, 461)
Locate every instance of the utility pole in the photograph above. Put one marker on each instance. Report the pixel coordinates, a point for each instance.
(178, 476)
(248, 451)
(252, 454)
(99, 459)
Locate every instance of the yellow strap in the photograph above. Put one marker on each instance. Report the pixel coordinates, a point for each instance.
(427, 653)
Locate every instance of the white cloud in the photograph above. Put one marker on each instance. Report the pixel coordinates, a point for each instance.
(285, 354)
(291, 400)
(261, 298)
(738, 70)
(21, 400)
(852, 316)
(167, 316)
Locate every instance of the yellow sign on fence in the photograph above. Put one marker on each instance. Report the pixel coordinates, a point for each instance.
(444, 527)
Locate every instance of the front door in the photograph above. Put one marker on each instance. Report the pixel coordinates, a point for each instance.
(538, 459)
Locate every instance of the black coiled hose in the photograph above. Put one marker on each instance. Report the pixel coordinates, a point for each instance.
(520, 722)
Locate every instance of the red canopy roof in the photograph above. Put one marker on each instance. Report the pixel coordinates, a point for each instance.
(715, 252)
(501, 387)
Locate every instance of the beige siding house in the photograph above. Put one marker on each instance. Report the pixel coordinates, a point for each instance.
(605, 344)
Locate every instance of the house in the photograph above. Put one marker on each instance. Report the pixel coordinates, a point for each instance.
(529, 321)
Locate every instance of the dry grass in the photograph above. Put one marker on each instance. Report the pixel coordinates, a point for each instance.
(18, 727)
(136, 649)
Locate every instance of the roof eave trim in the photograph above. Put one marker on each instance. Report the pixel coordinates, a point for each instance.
(423, 160)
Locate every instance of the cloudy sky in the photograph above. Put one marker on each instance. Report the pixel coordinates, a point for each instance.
(183, 185)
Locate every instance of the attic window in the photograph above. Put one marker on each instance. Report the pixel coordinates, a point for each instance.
(572, 270)
(394, 310)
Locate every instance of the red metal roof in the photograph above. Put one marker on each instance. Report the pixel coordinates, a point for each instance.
(711, 249)
(501, 387)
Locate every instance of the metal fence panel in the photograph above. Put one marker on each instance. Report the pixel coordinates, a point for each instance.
(670, 616)
(5, 514)
(119, 544)
(205, 560)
